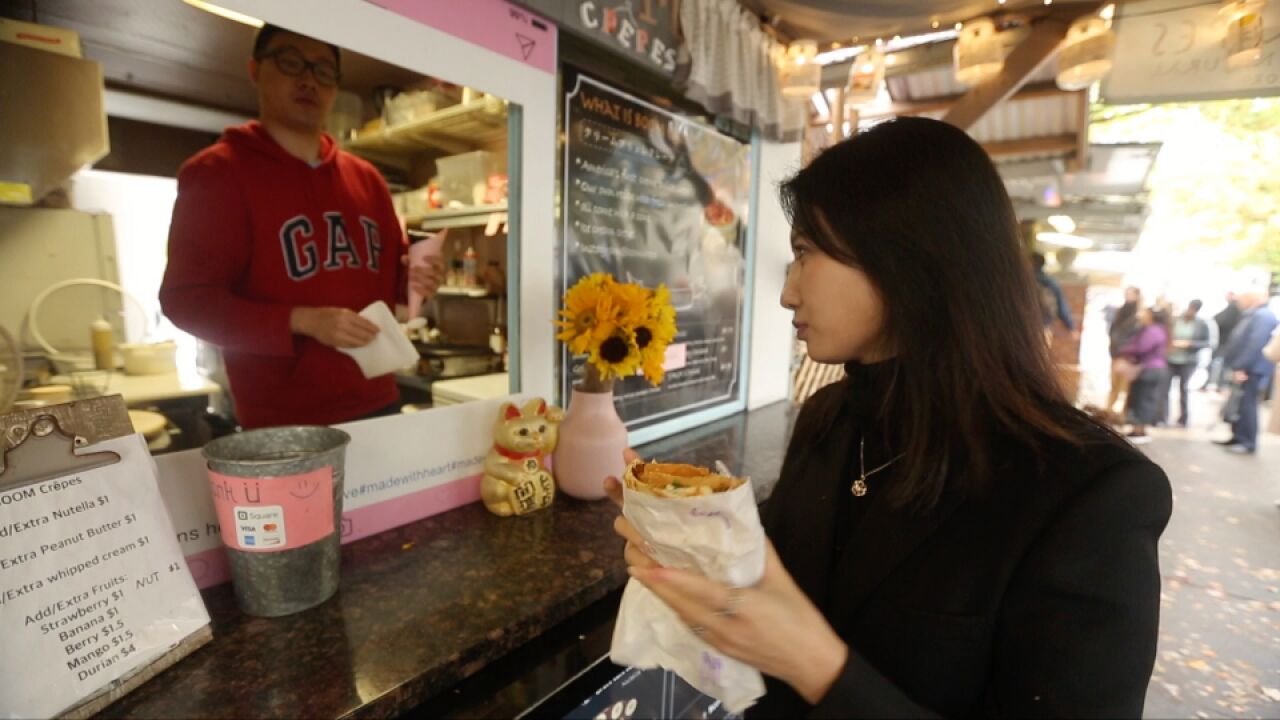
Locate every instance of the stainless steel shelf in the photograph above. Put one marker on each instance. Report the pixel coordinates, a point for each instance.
(455, 129)
(471, 216)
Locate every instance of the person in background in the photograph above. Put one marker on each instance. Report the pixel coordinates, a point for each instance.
(1123, 326)
(1162, 308)
(279, 239)
(1053, 304)
(1245, 364)
(948, 537)
(1226, 320)
(1191, 334)
(1272, 353)
(1147, 349)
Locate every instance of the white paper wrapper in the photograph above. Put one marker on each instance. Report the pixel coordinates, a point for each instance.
(718, 536)
(389, 351)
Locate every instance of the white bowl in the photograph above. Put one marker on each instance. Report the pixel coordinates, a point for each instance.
(150, 358)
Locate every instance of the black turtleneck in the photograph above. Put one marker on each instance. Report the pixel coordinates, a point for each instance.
(868, 416)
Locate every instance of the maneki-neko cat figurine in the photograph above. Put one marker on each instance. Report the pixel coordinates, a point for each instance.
(516, 480)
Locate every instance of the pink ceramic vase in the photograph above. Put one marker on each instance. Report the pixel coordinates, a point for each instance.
(592, 438)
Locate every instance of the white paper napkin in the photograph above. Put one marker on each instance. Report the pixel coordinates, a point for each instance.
(389, 351)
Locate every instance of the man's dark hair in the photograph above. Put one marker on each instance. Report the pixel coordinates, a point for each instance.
(917, 206)
(1195, 305)
(268, 31)
(1037, 260)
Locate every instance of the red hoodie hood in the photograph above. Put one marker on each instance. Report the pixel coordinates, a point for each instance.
(254, 136)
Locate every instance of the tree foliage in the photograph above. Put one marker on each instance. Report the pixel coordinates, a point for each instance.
(1216, 182)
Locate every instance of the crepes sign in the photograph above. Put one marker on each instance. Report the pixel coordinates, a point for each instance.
(646, 31)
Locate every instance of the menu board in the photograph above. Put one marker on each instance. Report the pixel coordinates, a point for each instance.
(653, 197)
(92, 583)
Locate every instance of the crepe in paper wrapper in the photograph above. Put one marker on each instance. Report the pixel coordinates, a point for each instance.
(704, 522)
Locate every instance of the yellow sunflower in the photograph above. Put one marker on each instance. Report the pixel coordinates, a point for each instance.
(651, 361)
(588, 314)
(659, 325)
(631, 303)
(617, 356)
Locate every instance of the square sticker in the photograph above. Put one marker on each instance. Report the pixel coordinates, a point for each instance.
(260, 526)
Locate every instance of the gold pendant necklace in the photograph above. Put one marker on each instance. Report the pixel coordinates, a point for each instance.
(860, 485)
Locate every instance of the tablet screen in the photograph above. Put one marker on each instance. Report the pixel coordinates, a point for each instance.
(609, 692)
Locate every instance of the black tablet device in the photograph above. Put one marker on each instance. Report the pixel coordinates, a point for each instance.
(606, 691)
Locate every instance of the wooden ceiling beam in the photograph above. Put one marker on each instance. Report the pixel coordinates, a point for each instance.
(1048, 145)
(1022, 63)
(1080, 158)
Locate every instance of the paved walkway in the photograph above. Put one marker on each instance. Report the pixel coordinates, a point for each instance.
(1219, 652)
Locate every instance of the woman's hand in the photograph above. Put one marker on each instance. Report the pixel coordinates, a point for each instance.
(772, 626)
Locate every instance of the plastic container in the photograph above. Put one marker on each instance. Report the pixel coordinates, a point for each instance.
(414, 202)
(278, 495)
(413, 105)
(347, 115)
(465, 178)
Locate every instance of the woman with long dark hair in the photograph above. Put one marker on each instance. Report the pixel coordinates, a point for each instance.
(948, 535)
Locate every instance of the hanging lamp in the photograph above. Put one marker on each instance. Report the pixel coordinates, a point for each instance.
(978, 53)
(1243, 40)
(866, 73)
(800, 76)
(1085, 56)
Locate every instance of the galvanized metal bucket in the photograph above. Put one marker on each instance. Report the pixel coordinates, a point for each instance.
(273, 583)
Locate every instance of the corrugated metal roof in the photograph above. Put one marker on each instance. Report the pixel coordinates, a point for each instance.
(1036, 117)
(940, 82)
(1032, 118)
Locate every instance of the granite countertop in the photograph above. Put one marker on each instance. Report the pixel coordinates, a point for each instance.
(427, 605)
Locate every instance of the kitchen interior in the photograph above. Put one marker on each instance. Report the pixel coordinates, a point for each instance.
(111, 97)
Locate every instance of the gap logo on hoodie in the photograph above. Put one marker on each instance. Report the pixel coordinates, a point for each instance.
(307, 252)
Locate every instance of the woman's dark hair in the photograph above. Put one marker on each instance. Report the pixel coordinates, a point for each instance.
(1126, 313)
(917, 205)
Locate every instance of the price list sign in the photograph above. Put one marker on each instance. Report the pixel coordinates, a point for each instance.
(92, 583)
(653, 197)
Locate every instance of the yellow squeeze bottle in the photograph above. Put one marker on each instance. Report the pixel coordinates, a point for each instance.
(103, 346)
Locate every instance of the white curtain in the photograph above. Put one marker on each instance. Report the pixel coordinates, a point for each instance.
(731, 69)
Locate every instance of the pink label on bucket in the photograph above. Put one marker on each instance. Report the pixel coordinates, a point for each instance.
(273, 513)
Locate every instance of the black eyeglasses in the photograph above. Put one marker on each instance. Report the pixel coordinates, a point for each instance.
(292, 63)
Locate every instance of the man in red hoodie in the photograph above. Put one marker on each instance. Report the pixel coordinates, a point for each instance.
(279, 239)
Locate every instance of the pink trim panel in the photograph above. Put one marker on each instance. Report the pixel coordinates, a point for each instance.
(495, 25)
(210, 567)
